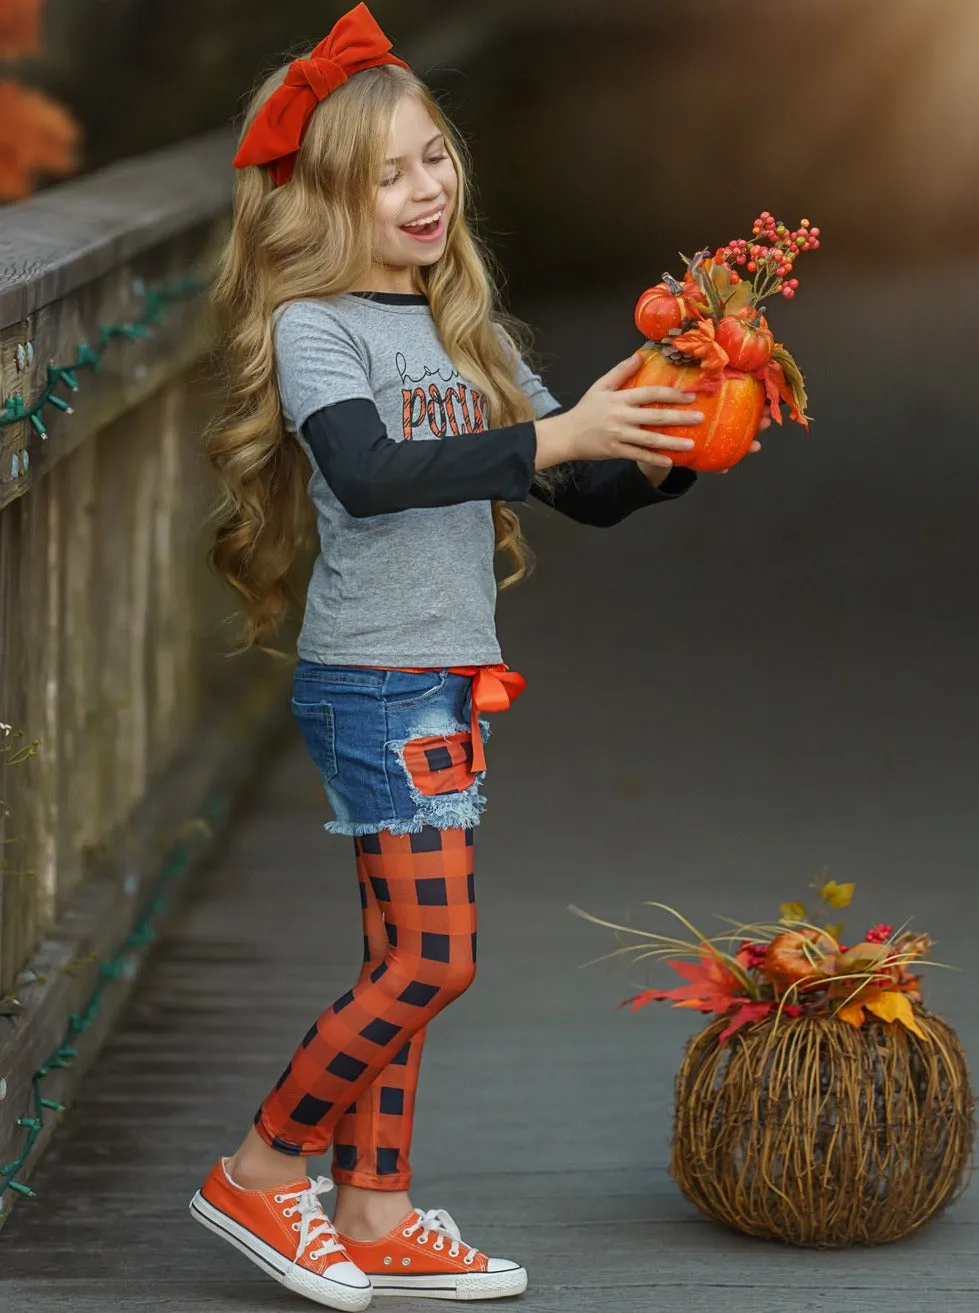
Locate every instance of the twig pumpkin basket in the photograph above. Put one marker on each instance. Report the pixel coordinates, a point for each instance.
(824, 1105)
(818, 1133)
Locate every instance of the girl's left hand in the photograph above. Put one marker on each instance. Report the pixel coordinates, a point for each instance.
(656, 474)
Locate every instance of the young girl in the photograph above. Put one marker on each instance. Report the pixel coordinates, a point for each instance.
(373, 381)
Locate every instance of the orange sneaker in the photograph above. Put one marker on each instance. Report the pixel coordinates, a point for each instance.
(425, 1255)
(305, 1255)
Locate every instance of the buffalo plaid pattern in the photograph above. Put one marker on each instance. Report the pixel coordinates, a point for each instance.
(352, 1081)
(441, 764)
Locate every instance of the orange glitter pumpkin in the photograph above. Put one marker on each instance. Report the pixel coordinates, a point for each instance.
(731, 416)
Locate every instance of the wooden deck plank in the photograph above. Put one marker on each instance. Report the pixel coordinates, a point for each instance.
(222, 1295)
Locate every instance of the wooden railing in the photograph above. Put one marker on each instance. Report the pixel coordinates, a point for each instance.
(111, 638)
(126, 733)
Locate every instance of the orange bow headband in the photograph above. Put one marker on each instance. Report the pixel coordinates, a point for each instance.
(354, 43)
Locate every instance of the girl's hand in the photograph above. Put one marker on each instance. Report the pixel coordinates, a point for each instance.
(608, 424)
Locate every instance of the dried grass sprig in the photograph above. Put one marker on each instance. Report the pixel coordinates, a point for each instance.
(695, 948)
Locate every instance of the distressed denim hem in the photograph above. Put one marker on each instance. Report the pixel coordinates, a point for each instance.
(451, 811)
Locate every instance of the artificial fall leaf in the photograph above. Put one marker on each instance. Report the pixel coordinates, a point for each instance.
(836, 930)
(638, 1001)
(892, 1005)
(772, 395)
(36, 136)
(720, 276)
(837, 895)
(853, 1013)
(754, 1010)
(743, 1015)
(700, 342)
(788, 384)
(737, 298)
(864, 957)
(733, 293)
(20, 28)
(789, 913)
(712, 987)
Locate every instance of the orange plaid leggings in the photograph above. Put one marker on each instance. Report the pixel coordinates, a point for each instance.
(352, 1081)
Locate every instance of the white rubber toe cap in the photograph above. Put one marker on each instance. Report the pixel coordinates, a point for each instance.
(347, 1274)
(342, 1286)
(501, 1265)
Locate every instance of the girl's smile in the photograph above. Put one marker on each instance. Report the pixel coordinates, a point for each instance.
(427, 230)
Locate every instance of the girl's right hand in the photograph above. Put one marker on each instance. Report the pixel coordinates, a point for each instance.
(609, 424)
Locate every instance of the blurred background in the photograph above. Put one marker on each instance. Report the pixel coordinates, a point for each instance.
(786, 659)
(621, 129)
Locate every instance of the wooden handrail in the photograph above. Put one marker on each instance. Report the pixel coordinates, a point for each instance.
(59, 240)
(111, 650)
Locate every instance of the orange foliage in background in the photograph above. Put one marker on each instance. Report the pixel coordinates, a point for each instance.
(36, 135)
(20, 28)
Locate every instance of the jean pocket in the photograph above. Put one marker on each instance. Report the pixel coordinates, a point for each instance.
(404, 689)
(317, 727)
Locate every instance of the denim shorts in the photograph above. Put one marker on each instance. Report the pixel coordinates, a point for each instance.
(393, 749)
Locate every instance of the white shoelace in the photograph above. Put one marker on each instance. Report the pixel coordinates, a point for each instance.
(438, 1222)
(314, 1224)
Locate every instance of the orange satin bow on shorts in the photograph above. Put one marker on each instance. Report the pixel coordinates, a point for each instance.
(494, 688)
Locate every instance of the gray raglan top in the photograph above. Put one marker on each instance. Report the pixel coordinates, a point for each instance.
(415, 587)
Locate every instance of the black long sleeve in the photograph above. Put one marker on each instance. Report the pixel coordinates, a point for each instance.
(603, 492)
(371, 474)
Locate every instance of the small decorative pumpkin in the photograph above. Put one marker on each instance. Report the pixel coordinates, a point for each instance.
(658, 310)
(731, 415)
(749, 345)
(803, 958)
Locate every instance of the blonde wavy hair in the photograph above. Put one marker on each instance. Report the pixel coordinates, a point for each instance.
(312, 238)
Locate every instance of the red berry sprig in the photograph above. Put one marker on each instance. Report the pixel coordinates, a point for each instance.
(755, 954)
(771, 255)
(878, 934)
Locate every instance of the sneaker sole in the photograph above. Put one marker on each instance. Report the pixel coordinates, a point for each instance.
(467, 1285)
(322, 1290)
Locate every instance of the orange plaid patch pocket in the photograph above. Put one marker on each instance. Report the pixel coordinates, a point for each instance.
(442, 763)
